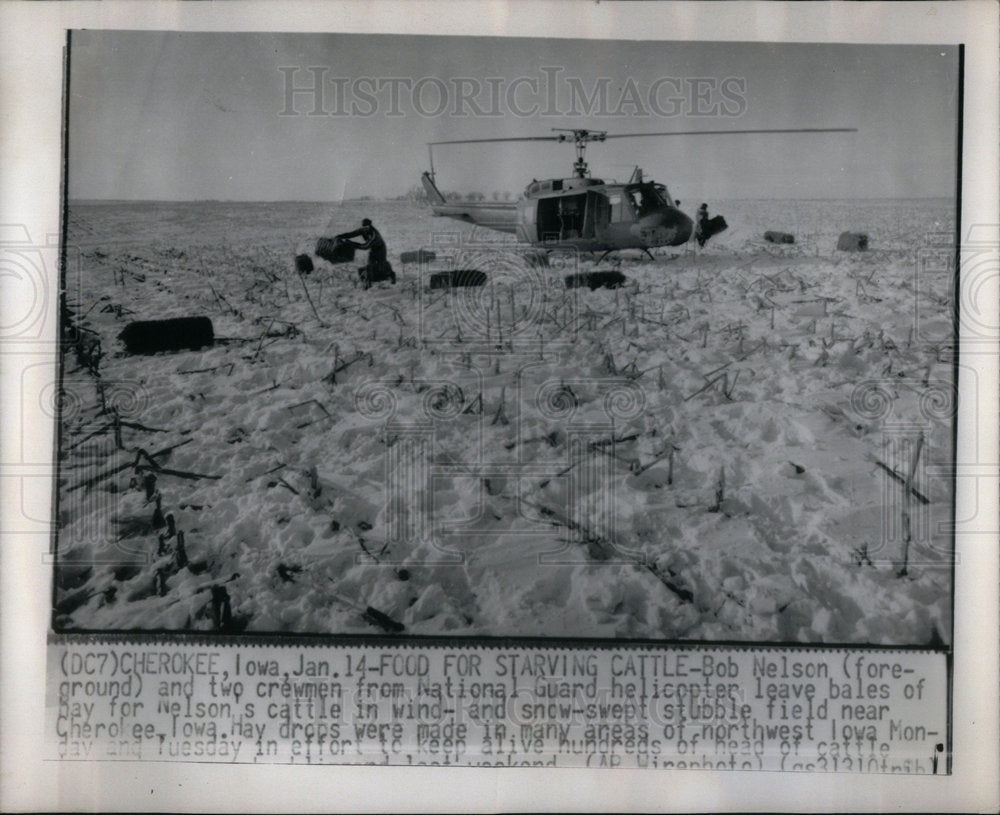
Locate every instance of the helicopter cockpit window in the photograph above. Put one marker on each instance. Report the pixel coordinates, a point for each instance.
(645, 198)
(663, 193)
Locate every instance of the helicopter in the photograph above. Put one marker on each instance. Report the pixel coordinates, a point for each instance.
(582, 212)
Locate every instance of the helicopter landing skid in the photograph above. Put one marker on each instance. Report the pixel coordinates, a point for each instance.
(609, 251)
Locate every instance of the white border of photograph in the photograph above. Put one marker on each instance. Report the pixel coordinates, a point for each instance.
(32, 37)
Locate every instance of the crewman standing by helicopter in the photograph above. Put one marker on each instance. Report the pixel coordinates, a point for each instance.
(705, 227)
(378, 266)
(701, 225)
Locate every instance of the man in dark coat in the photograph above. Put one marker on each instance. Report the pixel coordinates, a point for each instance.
(378, 266)
(706, 227)
(701, 225)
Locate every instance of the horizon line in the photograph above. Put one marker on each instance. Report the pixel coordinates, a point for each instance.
(401, 200)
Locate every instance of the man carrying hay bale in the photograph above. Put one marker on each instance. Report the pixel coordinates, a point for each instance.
(706, 227)
(378, 266)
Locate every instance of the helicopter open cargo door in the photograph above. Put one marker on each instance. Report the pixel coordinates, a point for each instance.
(562, 218)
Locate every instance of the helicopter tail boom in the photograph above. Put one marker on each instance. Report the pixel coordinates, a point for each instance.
(499, 216)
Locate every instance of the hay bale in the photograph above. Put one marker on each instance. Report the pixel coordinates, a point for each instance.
(419, 256)
(779, 237)
(852, 242)
(334, 251)
(441, 280)
(595, 280)
(458, 277)
(180, 333)
(303, 264)
(709, 228)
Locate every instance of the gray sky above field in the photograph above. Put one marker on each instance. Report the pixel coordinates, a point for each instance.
(185, 116)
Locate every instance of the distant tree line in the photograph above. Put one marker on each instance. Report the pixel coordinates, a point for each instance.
(416, 193)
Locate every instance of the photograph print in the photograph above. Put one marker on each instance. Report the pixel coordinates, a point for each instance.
(423, 336)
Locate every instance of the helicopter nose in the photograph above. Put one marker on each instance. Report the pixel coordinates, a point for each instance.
(665, 227)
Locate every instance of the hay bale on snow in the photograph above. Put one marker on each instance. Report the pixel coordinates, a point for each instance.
(180, 333)
(709, 228)
(458, 277)
(595, 280)
(419, 256)
(779, 237)
(852, 242)
(303, 264)
(333, 251)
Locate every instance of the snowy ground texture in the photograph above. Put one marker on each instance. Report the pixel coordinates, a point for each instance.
(692, 456)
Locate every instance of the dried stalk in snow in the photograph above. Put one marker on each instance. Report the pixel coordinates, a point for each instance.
(720, 491)
(907, 502)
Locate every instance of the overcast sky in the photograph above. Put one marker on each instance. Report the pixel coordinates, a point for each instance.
(185, 116)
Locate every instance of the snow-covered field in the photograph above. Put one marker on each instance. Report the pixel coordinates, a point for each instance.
(693, 456)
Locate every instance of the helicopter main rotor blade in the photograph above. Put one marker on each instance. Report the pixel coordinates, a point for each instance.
(734, 132)
(581, 137)
(663, 133)
(484, 141)
(432, 144)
